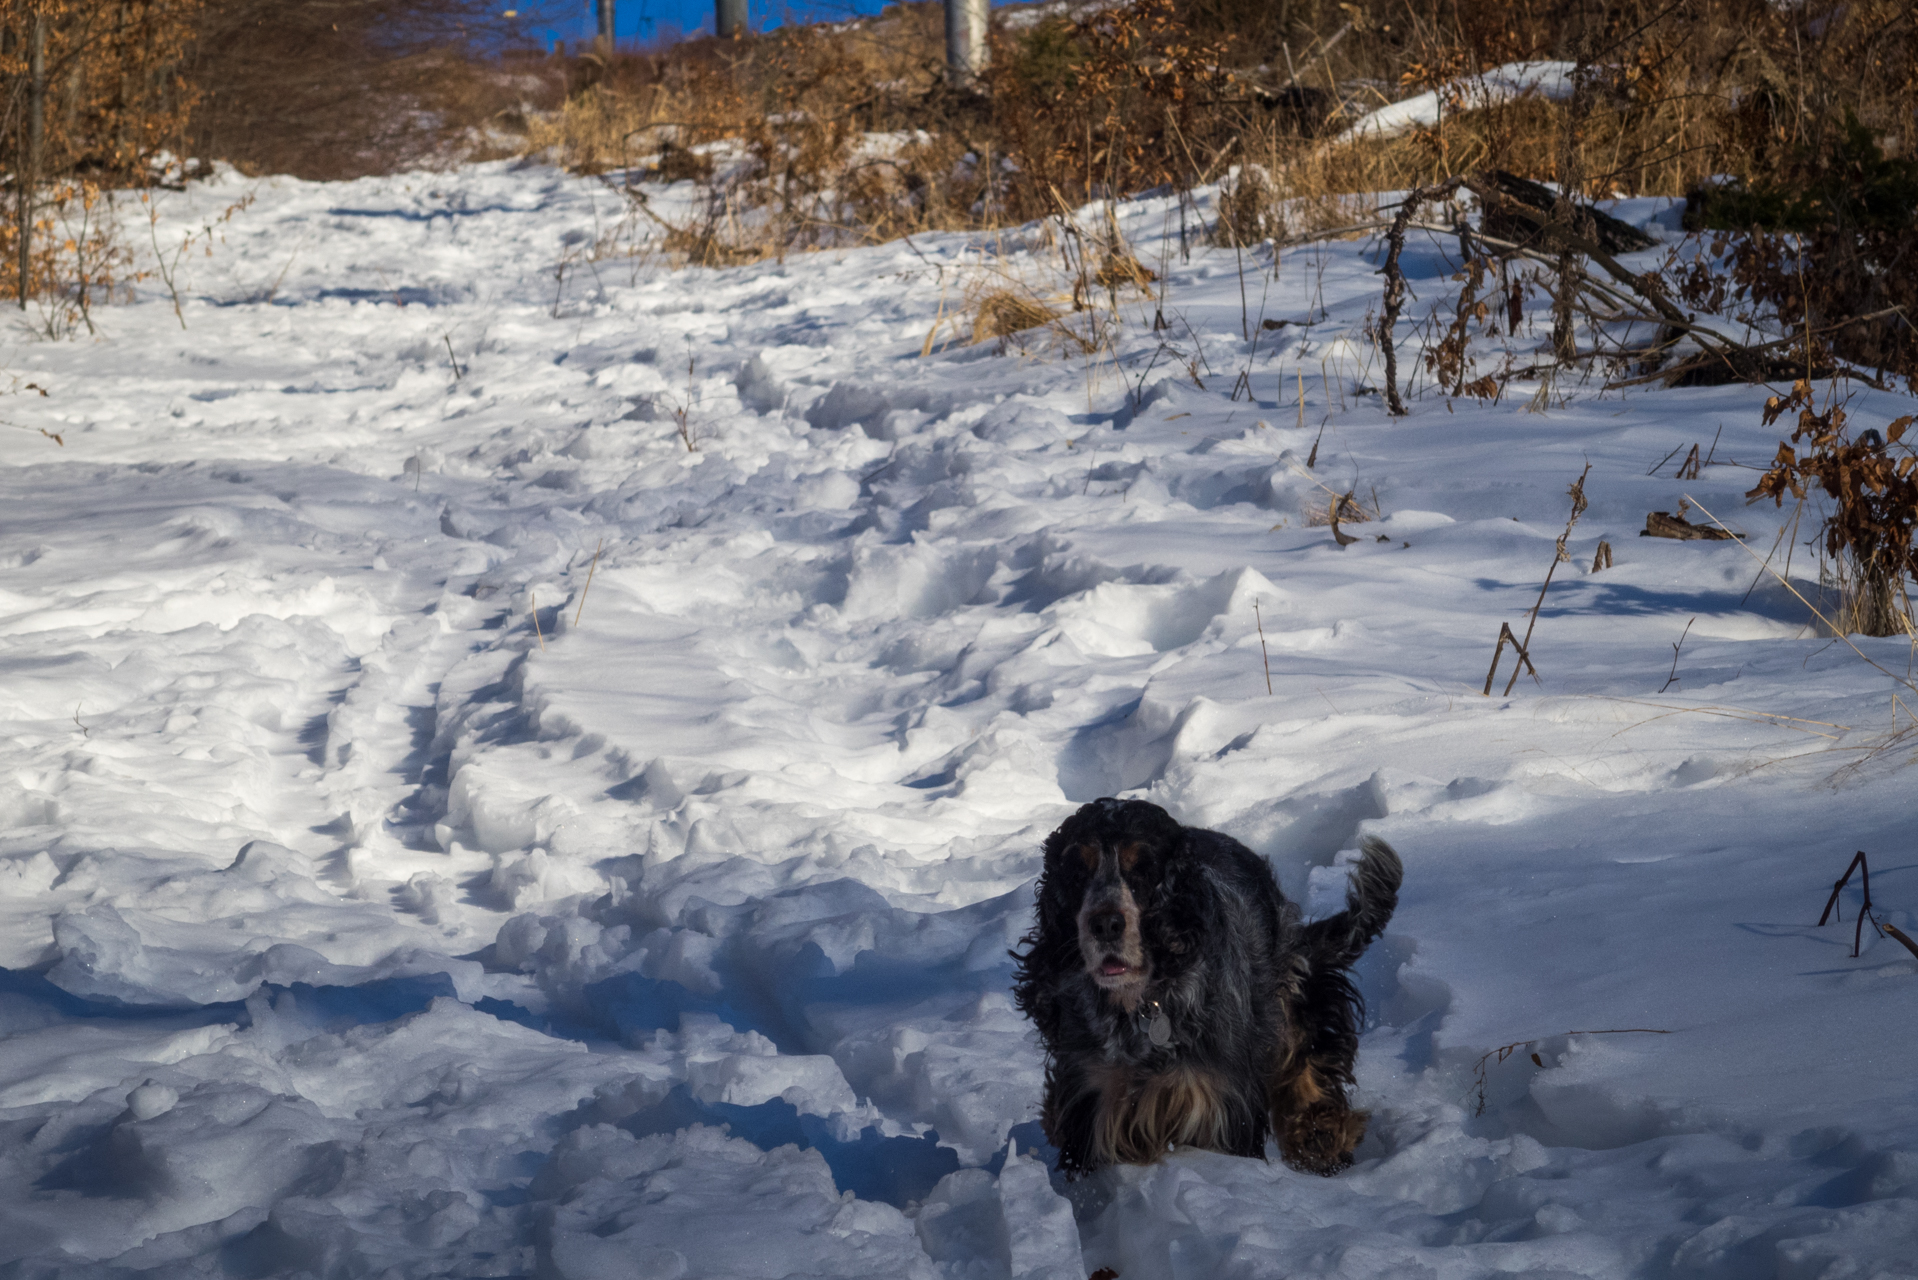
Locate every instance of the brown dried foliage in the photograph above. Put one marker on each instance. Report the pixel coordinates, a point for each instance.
(1179, 92)
(1113, 102)
(92, 93)
(1874, 499)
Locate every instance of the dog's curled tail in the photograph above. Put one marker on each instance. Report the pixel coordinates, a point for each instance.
(1370, 899)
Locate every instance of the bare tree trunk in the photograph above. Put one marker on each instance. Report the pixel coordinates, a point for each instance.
(605, 27)
(730, 16)
(28, 178)
(965, 41)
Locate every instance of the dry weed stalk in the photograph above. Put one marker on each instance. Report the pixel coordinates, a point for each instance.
(1797, 724)
(1560, 555)
(1264, 654)
(590, 570)
(167, 262)
(682, 409)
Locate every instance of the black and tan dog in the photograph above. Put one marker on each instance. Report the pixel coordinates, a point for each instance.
(1181, 1000)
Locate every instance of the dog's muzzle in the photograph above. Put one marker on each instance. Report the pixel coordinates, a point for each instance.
(1109, 935)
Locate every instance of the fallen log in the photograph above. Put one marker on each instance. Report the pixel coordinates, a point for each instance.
(1611, 234)
(1663, 524)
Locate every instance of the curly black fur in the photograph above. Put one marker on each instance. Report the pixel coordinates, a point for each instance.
(1142, 920)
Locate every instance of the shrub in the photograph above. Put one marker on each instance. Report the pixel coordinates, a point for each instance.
(1874, 496)
(96, 92)
(1831, 234)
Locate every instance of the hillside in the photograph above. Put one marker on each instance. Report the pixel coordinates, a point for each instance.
(524, 762)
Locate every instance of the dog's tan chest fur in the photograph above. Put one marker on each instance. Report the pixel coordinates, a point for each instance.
(1141, 1115)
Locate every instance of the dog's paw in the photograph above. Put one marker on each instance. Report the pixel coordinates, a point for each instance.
(1320, 1138)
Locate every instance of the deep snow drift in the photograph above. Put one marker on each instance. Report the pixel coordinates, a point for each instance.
(381, 900)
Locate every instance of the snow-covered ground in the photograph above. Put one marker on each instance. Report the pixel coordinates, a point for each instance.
(379, 900)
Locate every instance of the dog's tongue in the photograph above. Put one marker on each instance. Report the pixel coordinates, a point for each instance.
(1113, 967)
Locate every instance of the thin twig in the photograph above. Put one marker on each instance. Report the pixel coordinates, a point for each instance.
(1662, 461)
(1673, 678)
(1863, 868)
(536, 630)
(1825, 915)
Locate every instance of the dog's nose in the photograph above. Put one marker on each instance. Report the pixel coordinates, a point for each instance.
(1107, 927)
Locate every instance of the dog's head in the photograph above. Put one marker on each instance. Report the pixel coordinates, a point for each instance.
(1106, 870)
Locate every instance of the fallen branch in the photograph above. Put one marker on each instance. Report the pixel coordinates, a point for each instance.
(1663, 524)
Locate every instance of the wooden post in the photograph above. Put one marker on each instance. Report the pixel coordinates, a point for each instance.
(605, 40)
(966, 51)
(729, 17)
(35, 125)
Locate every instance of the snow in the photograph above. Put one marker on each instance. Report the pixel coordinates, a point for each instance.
(1552, 81)
(354, 925)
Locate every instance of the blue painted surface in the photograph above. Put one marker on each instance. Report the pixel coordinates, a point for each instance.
(665, 21)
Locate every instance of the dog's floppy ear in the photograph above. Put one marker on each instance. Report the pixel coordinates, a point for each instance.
(1174, 894)
(1051, 948)
(1057, 903)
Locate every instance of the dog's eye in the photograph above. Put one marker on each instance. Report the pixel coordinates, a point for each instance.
(1089, 854)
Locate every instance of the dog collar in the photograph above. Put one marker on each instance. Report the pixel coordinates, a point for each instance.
(1158, 1027)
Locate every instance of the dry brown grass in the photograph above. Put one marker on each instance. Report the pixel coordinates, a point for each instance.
(1319, 511)
(1002, 312)
(1161, 93)
(813, 137)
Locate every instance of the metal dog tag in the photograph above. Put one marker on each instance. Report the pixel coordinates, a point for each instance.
(1161, 1029)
